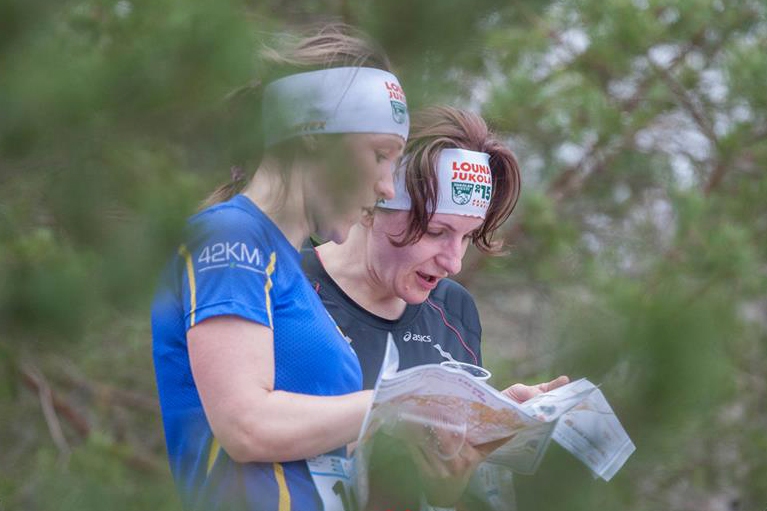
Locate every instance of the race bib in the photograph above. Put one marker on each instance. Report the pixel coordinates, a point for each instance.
(332, 478)
(493, 486)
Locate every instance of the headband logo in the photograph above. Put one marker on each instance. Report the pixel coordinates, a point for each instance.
(462, 193)
(398, 112)
(395, 92)
(465, 175)
(398, 102)
(468, 193)
(472, 172)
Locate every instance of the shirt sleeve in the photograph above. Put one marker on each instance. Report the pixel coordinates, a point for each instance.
(227, 268)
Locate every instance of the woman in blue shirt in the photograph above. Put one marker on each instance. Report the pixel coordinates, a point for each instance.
(254, 376)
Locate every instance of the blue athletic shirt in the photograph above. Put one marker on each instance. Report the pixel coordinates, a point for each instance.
(235, 261)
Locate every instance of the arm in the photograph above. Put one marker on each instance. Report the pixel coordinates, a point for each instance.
(232, 362)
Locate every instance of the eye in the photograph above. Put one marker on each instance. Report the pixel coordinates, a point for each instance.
(381, 157)
(434, 234)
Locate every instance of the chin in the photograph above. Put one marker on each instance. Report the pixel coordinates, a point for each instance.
(337, 237)
(334, 234)
(415, 297)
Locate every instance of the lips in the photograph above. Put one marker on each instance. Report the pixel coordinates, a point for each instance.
(427, 281)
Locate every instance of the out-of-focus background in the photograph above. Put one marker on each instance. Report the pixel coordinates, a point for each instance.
(638, 252)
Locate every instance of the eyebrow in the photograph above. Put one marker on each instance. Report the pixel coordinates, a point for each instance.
(437, 223)
(393, 145)
(450, 228)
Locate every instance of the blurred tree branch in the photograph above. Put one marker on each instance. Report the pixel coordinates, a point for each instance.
(105, 393)
(33, 380)
(573, 178)
(53, 402)
(36, 378)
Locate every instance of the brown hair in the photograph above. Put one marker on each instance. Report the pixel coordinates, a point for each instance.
(437, 128)
(332, 45)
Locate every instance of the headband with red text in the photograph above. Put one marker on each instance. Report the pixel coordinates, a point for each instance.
(334, 100)
(465, 184)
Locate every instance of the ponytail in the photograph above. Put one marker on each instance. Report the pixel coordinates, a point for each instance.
(242, 109)
(227, 190)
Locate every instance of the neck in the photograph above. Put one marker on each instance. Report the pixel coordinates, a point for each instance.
(348, 264)
(281, 201)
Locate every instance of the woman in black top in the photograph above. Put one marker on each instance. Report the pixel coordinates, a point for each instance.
(456, 185)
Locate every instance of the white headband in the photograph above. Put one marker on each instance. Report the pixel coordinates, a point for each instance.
(334, 100)
(465, 184)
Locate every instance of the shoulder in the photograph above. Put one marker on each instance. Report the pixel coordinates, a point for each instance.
(452, 305)
(454, 298)
(231, 216)
(235, 223)
(456, 304)
(232, 234)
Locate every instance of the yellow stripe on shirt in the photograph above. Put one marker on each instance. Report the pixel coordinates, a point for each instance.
(215, 448)
(268, 285)
(279, 476)
(184, 252)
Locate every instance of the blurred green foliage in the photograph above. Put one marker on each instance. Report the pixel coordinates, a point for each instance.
(641, 129)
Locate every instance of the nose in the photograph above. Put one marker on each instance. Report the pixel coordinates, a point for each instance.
(384, 187)
(451, 257)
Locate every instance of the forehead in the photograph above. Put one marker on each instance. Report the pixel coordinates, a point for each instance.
(395, 222)
(459, 223)
(398, 219)
(383, 141)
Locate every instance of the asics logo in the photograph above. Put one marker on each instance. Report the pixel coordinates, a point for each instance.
(409, 336)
